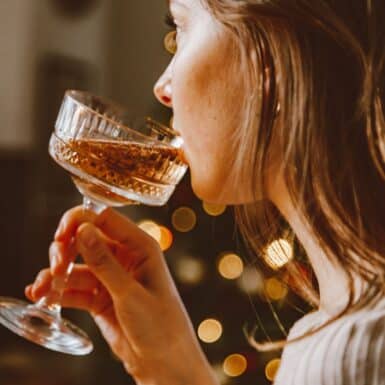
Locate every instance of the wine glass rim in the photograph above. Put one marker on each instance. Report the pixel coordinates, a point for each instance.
(74, 93)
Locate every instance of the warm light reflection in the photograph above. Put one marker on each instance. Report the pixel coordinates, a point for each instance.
(171, 122)
(272, 368)
(189, 270)
(278, 253)
(235, 365)
(230, 266)
(151, 228)
(210, 330)
(166, 238)
(251, 281)
(213, 209)
(275, 289)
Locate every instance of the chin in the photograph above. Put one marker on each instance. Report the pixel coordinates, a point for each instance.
(217, 187)
(210, 191)
(204, 190)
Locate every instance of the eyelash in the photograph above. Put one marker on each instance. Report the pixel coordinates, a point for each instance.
(169, 20)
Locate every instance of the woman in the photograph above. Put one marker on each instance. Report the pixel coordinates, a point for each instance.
(280, 107)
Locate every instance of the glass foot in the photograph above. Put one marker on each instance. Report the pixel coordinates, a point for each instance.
(43, 328)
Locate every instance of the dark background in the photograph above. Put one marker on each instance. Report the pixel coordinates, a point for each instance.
(113, 48)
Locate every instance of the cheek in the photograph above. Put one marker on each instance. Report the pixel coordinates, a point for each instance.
(201, 103)
(203, 107)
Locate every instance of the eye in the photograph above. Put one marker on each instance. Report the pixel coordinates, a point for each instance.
(170, 40)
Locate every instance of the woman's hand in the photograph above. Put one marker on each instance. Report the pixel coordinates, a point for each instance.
(127, 288)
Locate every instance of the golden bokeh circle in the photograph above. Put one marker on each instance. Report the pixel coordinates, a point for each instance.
(170, 42)
(210, 330)
(278, 253)
(272, 368)
(213, 209)
(235, 365)
(230, 266)
(166, 238)
(275, 289)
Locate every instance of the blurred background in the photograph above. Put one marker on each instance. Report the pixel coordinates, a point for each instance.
(115, 48)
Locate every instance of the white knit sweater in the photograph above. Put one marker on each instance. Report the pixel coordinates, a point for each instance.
(350, 351)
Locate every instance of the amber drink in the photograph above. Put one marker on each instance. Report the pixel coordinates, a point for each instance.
(113, 161)
(120, 173)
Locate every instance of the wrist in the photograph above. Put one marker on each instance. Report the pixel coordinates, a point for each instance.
(184, 374)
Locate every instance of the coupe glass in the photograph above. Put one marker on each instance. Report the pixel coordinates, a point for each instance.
(113, 161)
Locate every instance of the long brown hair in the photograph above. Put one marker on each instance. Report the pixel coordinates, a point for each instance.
(318, 68)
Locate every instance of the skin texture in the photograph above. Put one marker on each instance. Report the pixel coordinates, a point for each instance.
(203, 93)
(125, 283)
(127, 288)
(199, 72)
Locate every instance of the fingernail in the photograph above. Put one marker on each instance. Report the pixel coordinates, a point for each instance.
(55, 260)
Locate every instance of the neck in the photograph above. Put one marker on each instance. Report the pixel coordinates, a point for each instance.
(332, 278)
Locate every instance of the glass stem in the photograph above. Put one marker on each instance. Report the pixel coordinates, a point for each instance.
(92, 205)
(51, 302)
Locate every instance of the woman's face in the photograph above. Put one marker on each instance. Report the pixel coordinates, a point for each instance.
(201, 87)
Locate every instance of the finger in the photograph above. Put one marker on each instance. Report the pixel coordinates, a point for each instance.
(102, 309)
(42, 283)
(83, 300)
(28, 292)
(101, 261)
(70, 221)
(94, 303)
(81, 278)
(138, 252)
(60, 255)
(119, 227)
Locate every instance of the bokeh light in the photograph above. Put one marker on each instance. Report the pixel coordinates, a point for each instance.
(251, 281)
(184, 219)
(275, 289)
(189, 270)
(170, 42)
(161, 234)
(151, 228)
(213, 209)
(210, 330)
(230, 266)
(272, 368)
(166, 238)
(235, 365)
(278, 253)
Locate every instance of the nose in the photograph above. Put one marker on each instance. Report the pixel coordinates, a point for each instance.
(163, 89)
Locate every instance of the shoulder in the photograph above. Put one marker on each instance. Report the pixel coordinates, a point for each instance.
(364, 355)
(350, 350)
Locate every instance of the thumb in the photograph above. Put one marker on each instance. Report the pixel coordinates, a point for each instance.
(96, 253)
